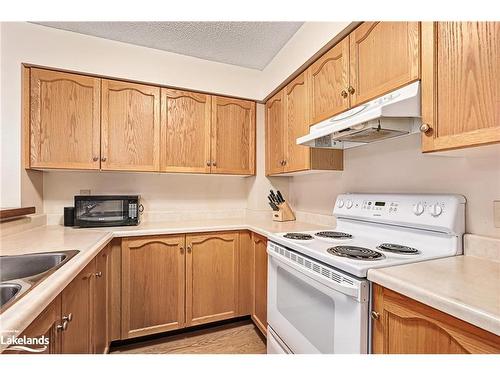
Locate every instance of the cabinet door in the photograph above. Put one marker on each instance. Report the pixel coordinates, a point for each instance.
(77, 307)
(130, 126)
(102, 301)
(330, 82)
(212, 277)
(185, 138)
(383, 57)
(259, 311)
(152, 285)
(65, 120)
(245, 274)
(233, 136)
(460, 84)
(275, 134)
(47, 325)
(297, 123)
(405, 326)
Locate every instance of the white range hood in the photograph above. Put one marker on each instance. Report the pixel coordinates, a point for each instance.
(389, 116)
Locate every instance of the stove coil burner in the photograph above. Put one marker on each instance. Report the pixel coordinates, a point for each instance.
(355, 252)
(334, 235)
(398, 249)
(298, 236)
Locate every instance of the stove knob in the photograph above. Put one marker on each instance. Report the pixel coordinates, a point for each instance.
(435, 210)
(340, 203)
(348, 204)
(418, 209)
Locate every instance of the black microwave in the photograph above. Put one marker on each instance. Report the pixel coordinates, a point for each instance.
(107, 210)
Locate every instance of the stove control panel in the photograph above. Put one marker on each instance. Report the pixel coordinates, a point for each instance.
(438, 212)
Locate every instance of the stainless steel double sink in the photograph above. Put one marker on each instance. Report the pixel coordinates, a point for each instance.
(20, 273)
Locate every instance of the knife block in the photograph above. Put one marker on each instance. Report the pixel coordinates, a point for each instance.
(285, 213)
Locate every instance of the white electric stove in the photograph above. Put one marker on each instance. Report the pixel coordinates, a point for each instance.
(318, 295)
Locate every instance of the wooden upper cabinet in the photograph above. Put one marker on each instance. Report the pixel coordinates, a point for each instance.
(211, 277)
(153, 281)
(383, 57)
(185, 131)
(130, 134)
(405, 326)
(330, 82)
(460, 84)
(77, 301)
(297, 123)
(275, 134)
(64, 121)
(233, 136)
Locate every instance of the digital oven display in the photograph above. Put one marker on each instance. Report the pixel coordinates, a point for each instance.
(380, 204)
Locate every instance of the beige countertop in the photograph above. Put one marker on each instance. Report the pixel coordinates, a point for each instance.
(89, 242)
(465, 287)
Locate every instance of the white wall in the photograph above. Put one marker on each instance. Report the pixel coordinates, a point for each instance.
(398, 166)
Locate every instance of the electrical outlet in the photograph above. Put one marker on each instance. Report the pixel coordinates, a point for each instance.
(85, 192)
(496, 213)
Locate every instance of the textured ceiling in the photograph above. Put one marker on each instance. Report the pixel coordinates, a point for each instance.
(247, 44)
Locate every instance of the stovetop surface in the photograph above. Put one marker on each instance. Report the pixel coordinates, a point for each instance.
(429, 245)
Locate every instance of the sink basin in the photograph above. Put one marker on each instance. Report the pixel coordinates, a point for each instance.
(20, 273)
(8, 291)
(28, 265)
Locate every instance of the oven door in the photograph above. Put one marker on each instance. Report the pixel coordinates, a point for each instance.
(311, 313)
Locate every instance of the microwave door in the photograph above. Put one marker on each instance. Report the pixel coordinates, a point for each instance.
(105, 212)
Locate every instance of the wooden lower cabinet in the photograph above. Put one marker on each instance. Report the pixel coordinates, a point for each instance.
(77, 304)
(211, 277)
(153, 285)
(101, 335)
(259, 308)
(405, 326)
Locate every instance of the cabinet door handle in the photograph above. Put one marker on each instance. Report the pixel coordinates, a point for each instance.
(103, 158)
(351, 90)
(67, 318)
(181, 248)
(284, 162)
(209, 163)
(425, 128)
(343, 93)
(63, 326)
(95, 158)
(189, 248)
(214, 164)
(98, 274)
(375, 315)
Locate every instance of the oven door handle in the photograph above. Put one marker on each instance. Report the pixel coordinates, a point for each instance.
(352, 291)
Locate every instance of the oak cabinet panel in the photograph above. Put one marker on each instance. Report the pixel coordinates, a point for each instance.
(152, 284)
(460, 85)
(383, 57)
(64, 126)
(233, 136)
(47, 325)
(330, 82)
(259, 310)
(77, 307)
(102, 293)
(130, 126)
(245, 274)
(211, 277)
(405, 326)
(275, 134)
(185, 132)
(297, 123)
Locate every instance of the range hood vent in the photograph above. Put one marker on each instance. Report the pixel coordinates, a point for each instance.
(389, 116)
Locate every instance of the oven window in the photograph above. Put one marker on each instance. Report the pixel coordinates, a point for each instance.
(101, 211)
(309, 310)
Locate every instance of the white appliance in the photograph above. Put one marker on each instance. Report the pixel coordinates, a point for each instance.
(389, 116)
(318, 294)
